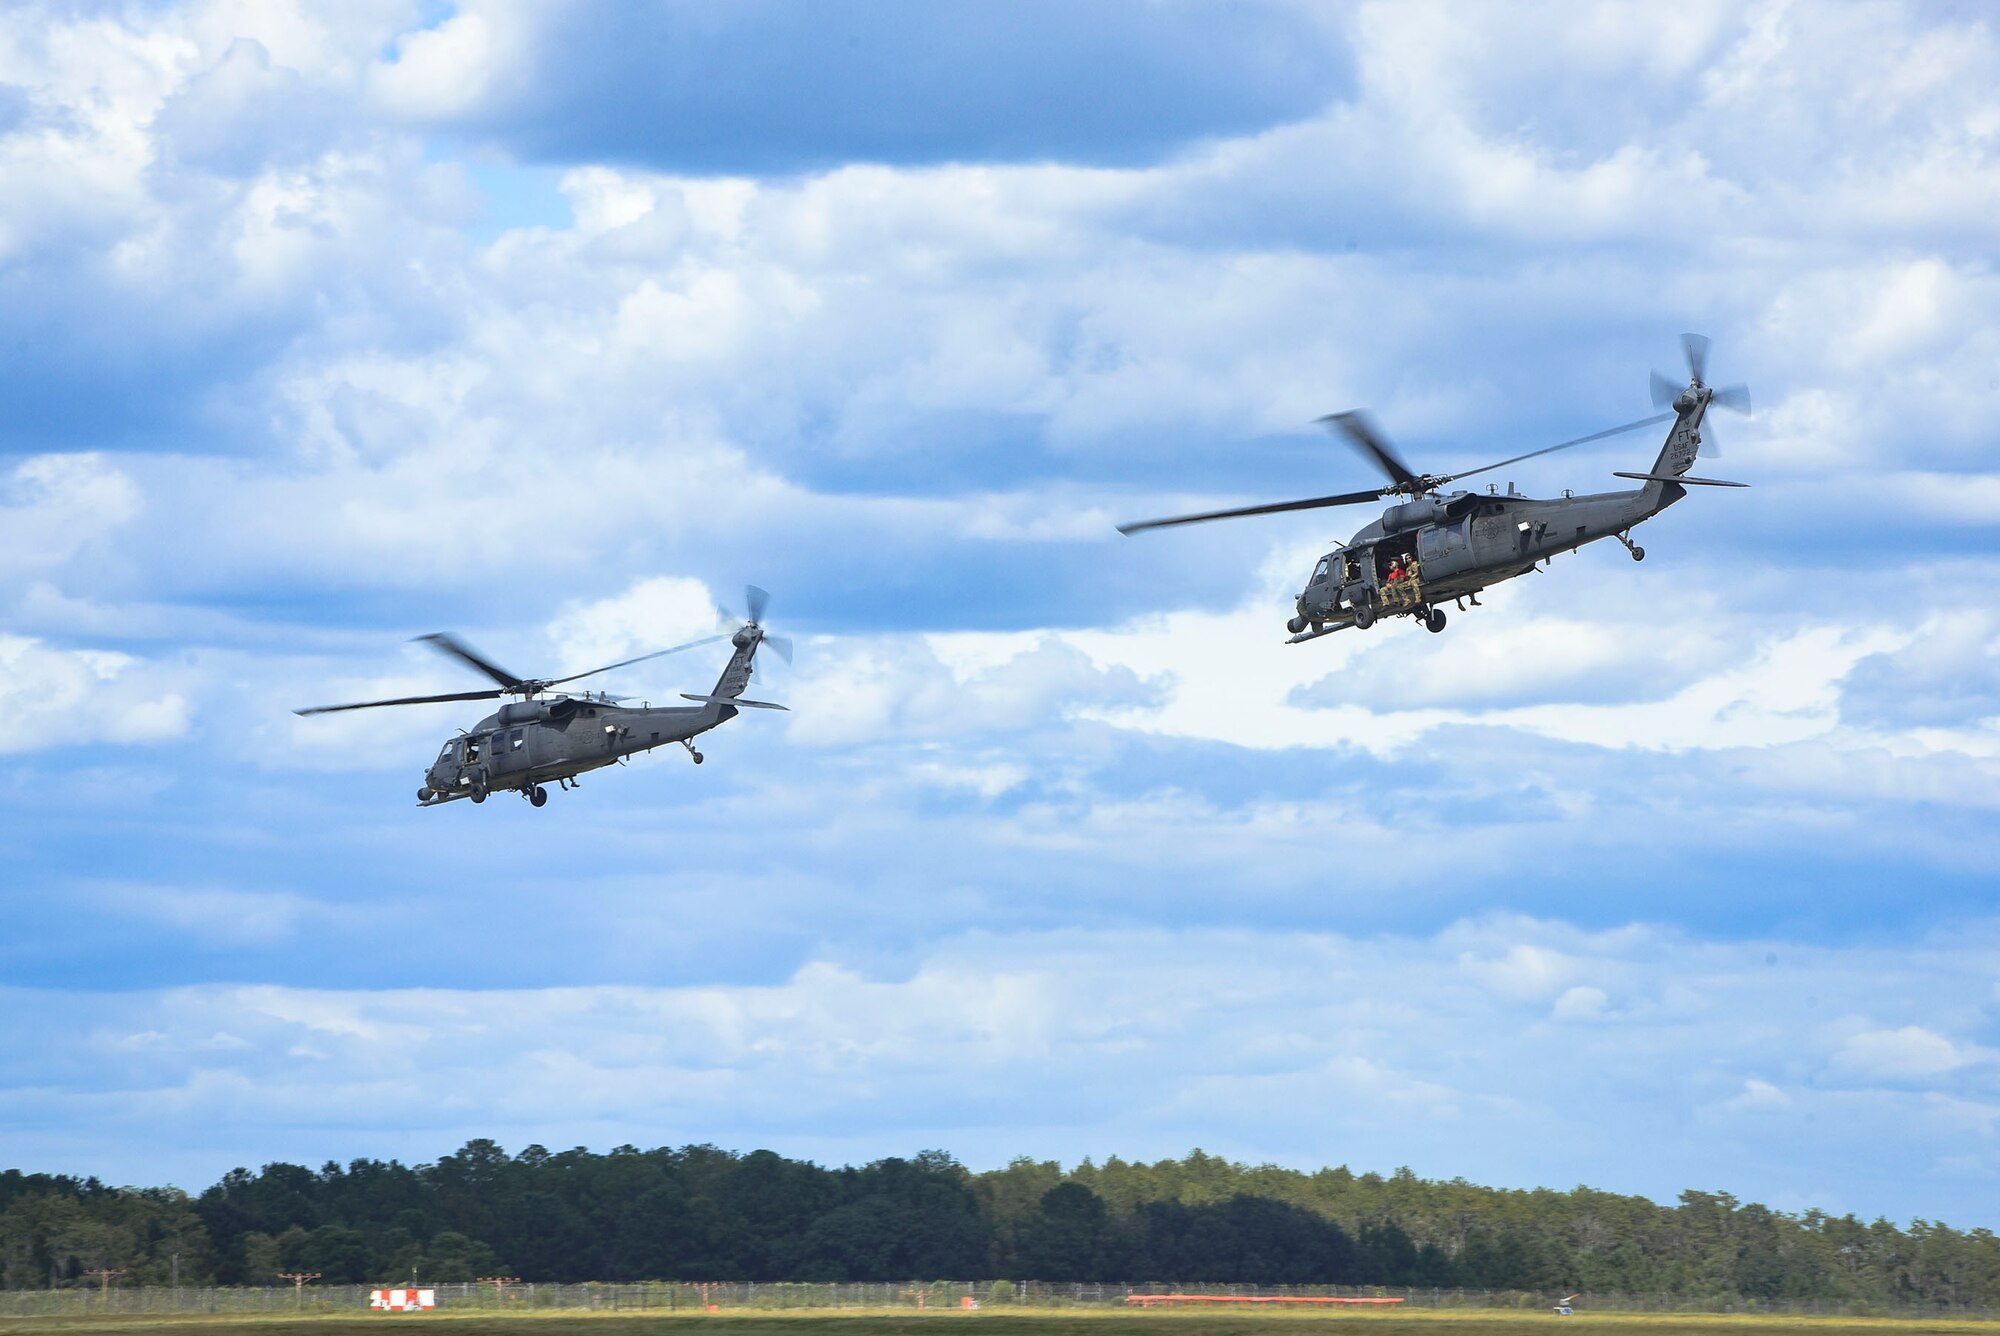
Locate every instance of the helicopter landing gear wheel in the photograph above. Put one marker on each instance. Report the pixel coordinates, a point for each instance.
(479, 795)
(698, 758)
(1638, 553)
(423, 795)
(539, 796)
(1434, 620)
(1364, 615)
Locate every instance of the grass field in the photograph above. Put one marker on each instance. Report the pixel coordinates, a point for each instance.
(1069, 1322)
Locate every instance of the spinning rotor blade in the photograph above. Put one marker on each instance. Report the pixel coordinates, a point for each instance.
(780, 646)
(755, 601)
(1696, 348)
(1664, 390)
(639, 658)
(1735, 398)
(1551, 449)
(1363, 436)
(455, 648)
(403, 700)
(1344, 499)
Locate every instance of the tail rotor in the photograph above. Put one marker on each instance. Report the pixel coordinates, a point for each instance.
(755, 600)
(1735, 398)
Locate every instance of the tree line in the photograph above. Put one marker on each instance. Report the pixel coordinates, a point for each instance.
(701, 1213)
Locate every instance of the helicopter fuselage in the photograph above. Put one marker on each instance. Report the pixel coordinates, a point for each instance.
(1463, 542)
(528, 743)
(1476, 540)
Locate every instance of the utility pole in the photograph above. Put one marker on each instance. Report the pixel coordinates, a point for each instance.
(299, 1279)
(105, 1273)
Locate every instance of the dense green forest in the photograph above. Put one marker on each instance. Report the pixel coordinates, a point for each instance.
(699, 1213)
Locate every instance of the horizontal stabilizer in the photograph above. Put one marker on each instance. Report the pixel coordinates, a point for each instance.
(1685, 482)
(732, 700)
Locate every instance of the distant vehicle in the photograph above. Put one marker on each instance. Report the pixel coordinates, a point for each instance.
(540, 738)
(1435, 547)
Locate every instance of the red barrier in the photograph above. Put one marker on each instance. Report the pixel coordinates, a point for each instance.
(1149, 1300)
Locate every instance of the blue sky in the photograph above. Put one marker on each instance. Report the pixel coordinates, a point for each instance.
(326, 326)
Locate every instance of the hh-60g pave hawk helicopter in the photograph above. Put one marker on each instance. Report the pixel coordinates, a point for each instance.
(1435, 546)
(529, 742)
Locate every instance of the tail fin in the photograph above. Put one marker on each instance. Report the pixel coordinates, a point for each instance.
(1683, 439)
(1677, 456)
(736, 676)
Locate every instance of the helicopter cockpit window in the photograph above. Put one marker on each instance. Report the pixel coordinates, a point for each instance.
(1320, 572)
(446, 754)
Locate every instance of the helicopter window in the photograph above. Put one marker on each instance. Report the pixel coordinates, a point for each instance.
(449, 748)
(1320, 572)
(514, 739)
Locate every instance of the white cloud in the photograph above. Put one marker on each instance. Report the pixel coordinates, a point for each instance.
(1138, 1041)
(923, 395)
(650, 615)
(53, 506)
(81, 698)
(1909, 1053)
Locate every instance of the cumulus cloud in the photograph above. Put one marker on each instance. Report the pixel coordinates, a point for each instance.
(83, 698)
(1909, 1053)
(770, 87)
(1380, 1047)
(1058, 801)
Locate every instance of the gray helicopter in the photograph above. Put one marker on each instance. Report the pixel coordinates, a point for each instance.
(540, 738)
(1435, 547)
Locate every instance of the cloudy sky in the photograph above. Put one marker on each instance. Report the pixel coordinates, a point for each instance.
(554, 324)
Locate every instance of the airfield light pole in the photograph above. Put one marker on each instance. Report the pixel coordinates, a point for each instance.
(104, 1274)
(299, 1279)
(499, 1283)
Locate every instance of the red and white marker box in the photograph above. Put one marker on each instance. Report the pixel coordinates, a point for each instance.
(403, 1301)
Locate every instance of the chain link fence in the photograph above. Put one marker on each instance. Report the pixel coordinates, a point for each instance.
(941, 1296)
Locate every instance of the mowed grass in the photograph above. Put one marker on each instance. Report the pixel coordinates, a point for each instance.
(1059, 1322)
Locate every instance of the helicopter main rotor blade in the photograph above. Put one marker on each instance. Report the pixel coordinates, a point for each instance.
(402, 700)
(1363, 435)
(1315, 503)
(1655, 420)
(639, 658)
(453, 647)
